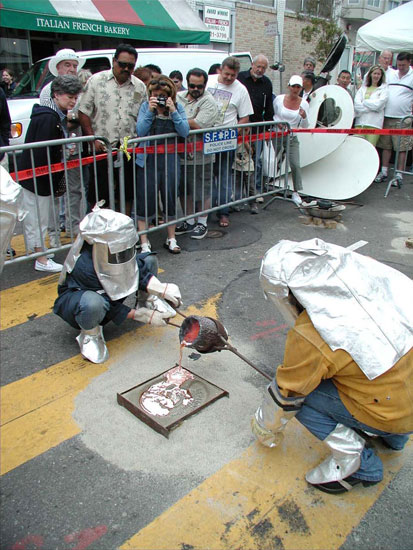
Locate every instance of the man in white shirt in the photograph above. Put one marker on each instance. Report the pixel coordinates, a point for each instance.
(399, 105)
(385, 61)
(234, 107)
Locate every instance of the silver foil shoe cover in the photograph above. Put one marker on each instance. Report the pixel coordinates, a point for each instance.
(92, 344)
(346, 446)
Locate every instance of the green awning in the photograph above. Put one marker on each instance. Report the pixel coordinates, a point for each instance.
(155, 20)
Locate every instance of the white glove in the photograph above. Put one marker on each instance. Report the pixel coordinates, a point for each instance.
(151, 316)
(167, 291)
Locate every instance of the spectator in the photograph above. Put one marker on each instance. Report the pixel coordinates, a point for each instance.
(244, 177)
(370, 102)
(308, 85)
(177, 79)
(8, 83)
(214, 68)
(107, 95)
(385, 61)
(160, 115)
(309, 64)
(47, 123)
(155, 70)
(144, 74)
(260, 91)
(5, 123)
(344, 79)
(234, 107)
(291, 108)
(399, 105)
(75, 207)
(201, 111)
(64, 62)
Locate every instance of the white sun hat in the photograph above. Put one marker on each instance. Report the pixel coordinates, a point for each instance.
(63, 55)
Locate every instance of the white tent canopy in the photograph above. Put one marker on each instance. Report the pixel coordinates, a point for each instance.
(391, 31)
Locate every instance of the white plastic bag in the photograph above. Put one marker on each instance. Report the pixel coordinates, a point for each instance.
(269, 160)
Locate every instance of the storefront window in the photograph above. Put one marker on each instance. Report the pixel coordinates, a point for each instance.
(15, 51)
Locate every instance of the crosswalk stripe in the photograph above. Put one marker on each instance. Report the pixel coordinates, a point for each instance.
(36, 411)
(28, 301)
(261, 501)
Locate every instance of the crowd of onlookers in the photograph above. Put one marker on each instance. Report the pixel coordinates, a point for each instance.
(127, 100)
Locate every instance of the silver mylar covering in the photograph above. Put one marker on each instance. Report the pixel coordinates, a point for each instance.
(113, 236)
(11, 210)
(355, 303)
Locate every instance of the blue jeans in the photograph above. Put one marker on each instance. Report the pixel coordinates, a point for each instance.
(221, 193)
(323, 410)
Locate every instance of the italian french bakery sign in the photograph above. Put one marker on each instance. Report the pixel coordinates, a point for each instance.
(81, 26)
(218, 21)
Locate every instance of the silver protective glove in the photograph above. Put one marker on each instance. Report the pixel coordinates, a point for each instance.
(270, 418)
(152, 316)
(167, 291)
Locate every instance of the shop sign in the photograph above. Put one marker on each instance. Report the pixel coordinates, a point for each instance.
(78, 26)
(218, 21)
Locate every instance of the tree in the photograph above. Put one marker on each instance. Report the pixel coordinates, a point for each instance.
(321, 26)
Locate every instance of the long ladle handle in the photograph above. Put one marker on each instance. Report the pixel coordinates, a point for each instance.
(234, 350)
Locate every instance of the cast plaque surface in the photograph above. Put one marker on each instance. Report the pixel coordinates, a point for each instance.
(169, 398)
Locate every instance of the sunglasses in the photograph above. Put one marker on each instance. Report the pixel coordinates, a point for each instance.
(197, 86)
(124, 65)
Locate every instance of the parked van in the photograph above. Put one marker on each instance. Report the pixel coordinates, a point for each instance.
(28, 90)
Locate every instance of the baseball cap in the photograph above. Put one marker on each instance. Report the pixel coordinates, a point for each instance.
(295, 79)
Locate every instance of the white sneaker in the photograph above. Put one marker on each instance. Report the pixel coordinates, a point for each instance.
(380, 177)
(397, 181)
(50, 266)
(295, 197)
(146, 247)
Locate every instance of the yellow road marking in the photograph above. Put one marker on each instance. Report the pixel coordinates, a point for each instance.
(36, 412)
(17, 243)
(261, 501)
(24, 302)
(28, 301)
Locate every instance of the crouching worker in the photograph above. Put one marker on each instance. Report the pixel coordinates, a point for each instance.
(100, 271)
(347, 373)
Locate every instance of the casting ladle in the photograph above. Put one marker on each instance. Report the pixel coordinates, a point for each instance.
(207, 335)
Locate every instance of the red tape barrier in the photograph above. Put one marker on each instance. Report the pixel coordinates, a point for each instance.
(198, 146)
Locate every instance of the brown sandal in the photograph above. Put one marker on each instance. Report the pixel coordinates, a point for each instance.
(223, 221)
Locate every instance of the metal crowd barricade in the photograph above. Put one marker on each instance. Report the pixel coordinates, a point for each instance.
(394, 181)
(200, 184)
(74, 166)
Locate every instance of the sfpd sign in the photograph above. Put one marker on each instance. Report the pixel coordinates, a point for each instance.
(220, 141)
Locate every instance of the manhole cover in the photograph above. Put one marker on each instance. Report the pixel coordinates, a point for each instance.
(215, 234)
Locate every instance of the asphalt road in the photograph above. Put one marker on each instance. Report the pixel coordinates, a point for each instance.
(82, 472)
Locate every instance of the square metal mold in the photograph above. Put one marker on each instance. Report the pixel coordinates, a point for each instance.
(202, 391)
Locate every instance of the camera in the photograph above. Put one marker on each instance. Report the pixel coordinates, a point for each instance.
(162, 100)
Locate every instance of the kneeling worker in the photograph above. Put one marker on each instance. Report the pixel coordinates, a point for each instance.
(347, 373)
(100, 271)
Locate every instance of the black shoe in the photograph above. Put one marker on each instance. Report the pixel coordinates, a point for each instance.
(343, 486)
(10, 252)
(184, 227)
(200, 231)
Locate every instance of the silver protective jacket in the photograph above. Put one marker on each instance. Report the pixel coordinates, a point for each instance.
(11, 210)
(355, 303)
(113, 236)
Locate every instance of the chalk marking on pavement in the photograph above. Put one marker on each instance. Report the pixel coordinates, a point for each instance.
(261, 501)
(29, 301)
(36, 411)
